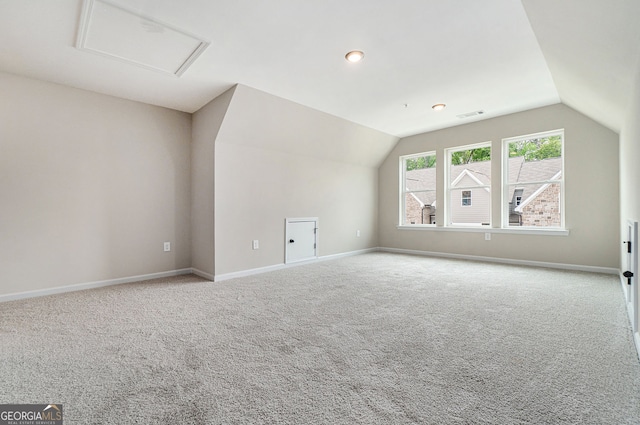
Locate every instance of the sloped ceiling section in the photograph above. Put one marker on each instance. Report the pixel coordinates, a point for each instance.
(261, 120)
(592, 48)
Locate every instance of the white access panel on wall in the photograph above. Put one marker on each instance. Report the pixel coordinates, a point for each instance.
(301, 239)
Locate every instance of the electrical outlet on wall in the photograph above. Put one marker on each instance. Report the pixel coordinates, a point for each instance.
(487, 236)
(256, 244)
(167, 246)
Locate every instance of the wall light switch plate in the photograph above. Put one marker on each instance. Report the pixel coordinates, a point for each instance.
(358, 233)
(167, 246)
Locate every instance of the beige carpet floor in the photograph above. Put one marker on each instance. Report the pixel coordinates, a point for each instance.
(372, 339)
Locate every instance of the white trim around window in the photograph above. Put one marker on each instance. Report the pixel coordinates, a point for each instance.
(536, 189)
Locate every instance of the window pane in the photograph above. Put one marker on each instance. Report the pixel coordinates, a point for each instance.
(420, 207)
(469, 186)
(534, 160)
(419, 190)
(534, 199)
(477, 213)
(540, 205)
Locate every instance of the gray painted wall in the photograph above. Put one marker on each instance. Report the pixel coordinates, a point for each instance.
(90, 187)
(276, 159)
(592, 192)
(206, 124)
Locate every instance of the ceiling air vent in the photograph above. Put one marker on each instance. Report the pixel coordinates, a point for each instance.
(470, 114)
(113, 31)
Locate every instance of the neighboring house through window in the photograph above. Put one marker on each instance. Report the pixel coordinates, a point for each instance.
(469, 173)
(534, 180)
(418, 189)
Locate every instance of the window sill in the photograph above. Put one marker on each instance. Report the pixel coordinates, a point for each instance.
(486, 229)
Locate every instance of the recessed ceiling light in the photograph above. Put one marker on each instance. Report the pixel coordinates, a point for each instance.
(439, 106)
(354, 56)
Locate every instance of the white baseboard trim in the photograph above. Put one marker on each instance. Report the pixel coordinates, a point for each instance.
(259, 270)
(562, 266)
(348, 254)
(91, 285)
(574, 267)
(202, 274)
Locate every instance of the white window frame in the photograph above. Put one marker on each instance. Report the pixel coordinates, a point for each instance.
(505, 182)
(403, 189)
(447, 192)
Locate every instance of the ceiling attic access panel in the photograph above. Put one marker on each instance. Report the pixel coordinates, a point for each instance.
(118, 33)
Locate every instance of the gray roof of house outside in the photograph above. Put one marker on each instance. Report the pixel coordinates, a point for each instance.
(519, 171)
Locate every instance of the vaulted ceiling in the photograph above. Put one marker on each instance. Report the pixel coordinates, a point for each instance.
(494, 56)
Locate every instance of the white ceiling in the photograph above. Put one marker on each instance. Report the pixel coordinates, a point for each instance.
(492, 55)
